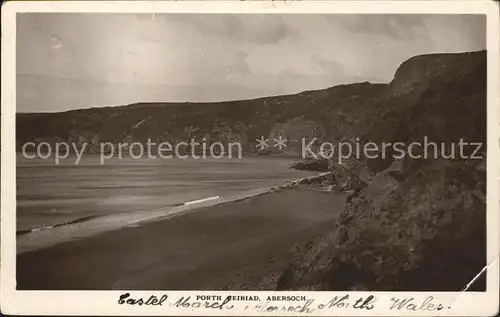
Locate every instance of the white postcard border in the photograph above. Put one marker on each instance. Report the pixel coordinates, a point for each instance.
(106, 302)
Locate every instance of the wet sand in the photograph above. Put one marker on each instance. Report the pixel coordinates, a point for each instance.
(230, 246)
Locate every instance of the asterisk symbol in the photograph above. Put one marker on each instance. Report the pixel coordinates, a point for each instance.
(280, 142)
(262, 143)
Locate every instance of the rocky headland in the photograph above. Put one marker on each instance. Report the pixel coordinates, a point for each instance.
(419, 224)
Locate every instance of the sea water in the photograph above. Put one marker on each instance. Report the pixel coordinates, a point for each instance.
(51, 195)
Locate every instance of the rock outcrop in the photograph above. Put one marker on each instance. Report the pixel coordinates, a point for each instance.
(421, 226)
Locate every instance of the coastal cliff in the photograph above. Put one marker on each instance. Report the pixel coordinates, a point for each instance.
(426, 228)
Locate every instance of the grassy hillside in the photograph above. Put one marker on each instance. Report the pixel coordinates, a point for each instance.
(322, 113)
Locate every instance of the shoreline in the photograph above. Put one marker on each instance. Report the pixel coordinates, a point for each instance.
(51, 235)
(233, 245)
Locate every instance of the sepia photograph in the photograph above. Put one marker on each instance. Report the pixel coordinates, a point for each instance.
(241, 152)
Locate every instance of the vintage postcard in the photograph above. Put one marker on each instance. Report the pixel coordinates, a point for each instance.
(250, 158)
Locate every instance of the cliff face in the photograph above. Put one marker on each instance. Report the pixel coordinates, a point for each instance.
(443, 105)
(322, 113)
(426, 228)
(415, 70)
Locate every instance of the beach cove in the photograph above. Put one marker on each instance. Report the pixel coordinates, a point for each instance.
(236, 245)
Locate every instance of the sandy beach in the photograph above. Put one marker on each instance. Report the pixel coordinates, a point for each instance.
(230, 246)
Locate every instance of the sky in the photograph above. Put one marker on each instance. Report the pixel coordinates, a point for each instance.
(79, 60)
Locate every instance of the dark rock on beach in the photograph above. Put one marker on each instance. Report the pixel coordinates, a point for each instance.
(319, 165)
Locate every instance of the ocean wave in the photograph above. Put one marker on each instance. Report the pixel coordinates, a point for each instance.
(49, 235)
